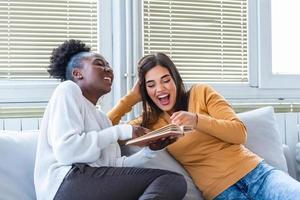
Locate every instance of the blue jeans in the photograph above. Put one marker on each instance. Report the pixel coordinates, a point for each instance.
(263, 183)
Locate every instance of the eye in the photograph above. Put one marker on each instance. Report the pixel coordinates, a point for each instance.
(167, 80)
(150, 85)
(101, 64)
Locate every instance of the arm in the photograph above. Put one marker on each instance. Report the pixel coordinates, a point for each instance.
(212, 115)
(125, 105)
(221, 121)
(68, 136)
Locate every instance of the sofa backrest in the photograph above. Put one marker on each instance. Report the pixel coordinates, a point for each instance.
(17, 155)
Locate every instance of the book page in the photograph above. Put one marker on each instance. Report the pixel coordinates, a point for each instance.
(163, 132)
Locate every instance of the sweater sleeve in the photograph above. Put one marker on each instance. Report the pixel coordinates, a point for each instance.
(221, 121)
(123, 106)
(138, 159)
(66, 131)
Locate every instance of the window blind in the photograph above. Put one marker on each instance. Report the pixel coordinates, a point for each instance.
(206, 39)
(30, 29)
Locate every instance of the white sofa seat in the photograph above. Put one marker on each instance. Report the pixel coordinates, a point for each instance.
(17, 155)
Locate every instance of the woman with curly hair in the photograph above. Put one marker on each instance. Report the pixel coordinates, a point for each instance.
(78, 155)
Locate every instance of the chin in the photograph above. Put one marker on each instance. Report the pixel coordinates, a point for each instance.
(165, 108)
(107, 90)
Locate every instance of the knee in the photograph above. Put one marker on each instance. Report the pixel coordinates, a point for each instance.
(179, 185)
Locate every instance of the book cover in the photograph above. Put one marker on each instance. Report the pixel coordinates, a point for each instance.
(163, 132)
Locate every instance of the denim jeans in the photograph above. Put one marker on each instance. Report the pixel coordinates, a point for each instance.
(263, 183)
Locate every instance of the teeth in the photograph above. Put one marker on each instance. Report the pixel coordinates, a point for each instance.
(107, 78)
(162, 96)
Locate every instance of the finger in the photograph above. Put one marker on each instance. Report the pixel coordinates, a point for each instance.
(176, 122)
(175, 114)
(178, 116)
(173, 140)
(146, 130)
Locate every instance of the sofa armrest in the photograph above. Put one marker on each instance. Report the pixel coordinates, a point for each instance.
(290, 161)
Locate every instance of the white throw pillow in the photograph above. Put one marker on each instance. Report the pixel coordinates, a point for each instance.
(263, 136)
(17, 156)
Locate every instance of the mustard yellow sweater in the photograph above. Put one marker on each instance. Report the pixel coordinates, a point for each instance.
(214, 154)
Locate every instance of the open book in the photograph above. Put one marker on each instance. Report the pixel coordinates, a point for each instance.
(163, 132)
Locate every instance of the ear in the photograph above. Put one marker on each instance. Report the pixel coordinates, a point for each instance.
(77, 74)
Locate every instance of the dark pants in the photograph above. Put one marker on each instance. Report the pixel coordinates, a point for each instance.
(120, 183)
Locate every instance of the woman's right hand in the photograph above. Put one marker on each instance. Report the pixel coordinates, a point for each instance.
(136, 90)
(162, 143)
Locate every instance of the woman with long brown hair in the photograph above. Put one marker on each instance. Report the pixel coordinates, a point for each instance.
(214, 153)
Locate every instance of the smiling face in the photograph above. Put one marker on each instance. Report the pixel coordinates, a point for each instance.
(161, 88)
(96, 76)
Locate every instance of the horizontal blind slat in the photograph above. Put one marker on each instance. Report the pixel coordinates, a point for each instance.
(29, 30)
(206, 39)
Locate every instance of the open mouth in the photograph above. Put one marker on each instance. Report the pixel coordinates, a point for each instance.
(164, 99)
(108, 79)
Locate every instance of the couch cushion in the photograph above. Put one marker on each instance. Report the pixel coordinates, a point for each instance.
(17, 152)
(163, 160)
(263, 136)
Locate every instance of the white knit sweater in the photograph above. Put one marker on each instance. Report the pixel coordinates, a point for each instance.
(74, 131)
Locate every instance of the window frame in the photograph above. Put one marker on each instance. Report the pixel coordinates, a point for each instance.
(30, 91)
(264, 41)
(252, 90)
(113, 46)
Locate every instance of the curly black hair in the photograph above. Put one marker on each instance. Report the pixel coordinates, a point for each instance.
(61, 56)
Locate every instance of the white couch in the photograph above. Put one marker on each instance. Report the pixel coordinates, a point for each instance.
(17, 152)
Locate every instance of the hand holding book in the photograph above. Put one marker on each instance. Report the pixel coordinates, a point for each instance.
(168, 132)
(162, 143)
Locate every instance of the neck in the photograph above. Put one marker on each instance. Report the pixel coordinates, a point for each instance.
(91, 97)
(89, 94)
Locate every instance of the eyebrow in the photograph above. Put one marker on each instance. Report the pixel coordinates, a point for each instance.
(164, 76)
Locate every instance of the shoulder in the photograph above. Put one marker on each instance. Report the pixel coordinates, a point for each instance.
(68, 88)
(204, 93)
(67, 91)
(201, 88)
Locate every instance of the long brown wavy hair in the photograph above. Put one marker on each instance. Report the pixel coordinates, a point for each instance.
(151, 111)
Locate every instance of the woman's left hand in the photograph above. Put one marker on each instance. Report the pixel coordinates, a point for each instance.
(184, 118)
(136, 90)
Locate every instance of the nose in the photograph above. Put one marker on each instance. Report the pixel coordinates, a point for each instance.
(159, 87)
(108, 69)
